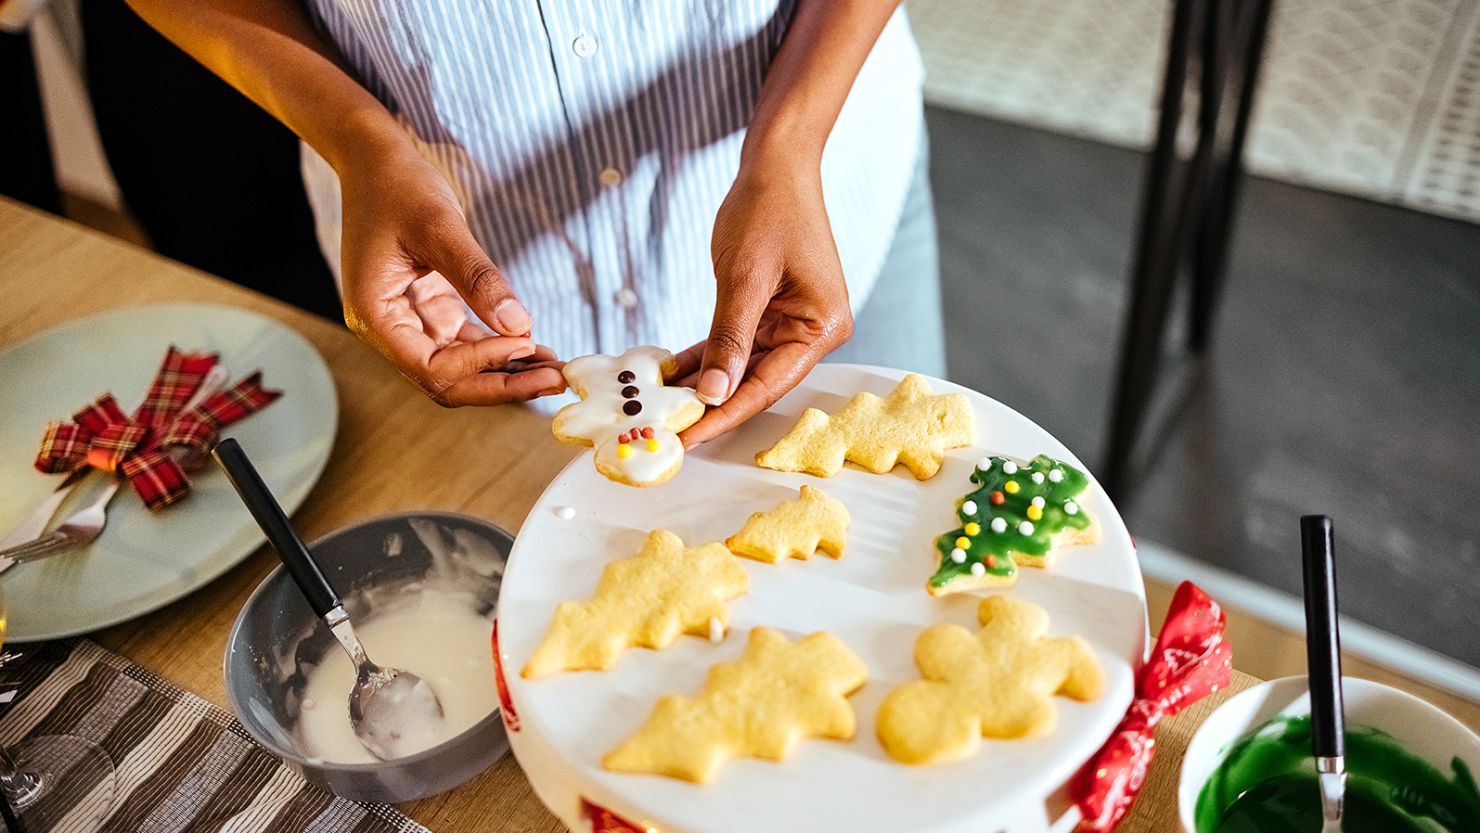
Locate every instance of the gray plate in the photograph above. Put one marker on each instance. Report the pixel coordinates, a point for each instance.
(145, 560)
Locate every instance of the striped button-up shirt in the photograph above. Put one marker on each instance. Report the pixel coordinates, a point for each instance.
(591, 144)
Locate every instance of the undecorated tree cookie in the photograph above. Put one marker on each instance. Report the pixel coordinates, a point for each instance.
(762, 705)
(998, 682)
(910, 426)
(795, 529)
(647, 601)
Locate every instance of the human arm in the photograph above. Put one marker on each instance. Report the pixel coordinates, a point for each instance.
(402, 222)
(781, 302)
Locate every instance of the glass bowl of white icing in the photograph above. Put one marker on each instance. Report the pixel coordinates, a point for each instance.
(422, 589)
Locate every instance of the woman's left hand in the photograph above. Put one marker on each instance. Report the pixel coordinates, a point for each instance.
(781, 302)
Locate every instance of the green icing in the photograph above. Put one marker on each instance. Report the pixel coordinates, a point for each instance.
(1267, 783)
(994, 549)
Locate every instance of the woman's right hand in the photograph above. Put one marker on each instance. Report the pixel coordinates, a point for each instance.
(409, 263)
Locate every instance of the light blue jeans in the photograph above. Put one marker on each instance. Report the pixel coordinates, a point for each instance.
(900, 324)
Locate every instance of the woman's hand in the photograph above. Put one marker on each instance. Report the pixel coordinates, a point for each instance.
(781, 303)
(409, 264)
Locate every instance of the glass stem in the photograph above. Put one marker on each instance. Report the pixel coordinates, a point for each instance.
(19, 787)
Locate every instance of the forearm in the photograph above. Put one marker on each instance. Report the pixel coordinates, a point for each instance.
(809, 79)
(268, 50)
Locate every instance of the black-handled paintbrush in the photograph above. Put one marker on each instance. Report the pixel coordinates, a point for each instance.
(1323, 657)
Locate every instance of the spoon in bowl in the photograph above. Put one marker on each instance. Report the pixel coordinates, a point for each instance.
(1323, 656)
(389, 709)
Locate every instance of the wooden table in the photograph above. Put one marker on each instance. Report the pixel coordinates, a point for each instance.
(396, 451)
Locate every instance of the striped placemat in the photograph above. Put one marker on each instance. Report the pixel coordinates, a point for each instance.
(183, 764)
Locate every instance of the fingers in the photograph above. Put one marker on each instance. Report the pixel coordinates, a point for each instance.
(688, 364)
(467, 358)
(501, 388)
(451, 250)
(773, 375)
(454, 375)
(739, 302)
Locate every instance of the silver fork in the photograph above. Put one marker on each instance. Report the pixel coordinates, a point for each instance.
(81, 528)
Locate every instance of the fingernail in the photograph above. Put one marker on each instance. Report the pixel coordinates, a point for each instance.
(552, 391)
(522, 352)
(512, 317)
(714, 386)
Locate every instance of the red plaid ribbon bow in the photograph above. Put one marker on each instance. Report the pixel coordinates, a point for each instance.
(158, 444)
(1190, 661)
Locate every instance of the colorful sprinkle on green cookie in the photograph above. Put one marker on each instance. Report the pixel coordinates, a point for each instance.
(1019, 514)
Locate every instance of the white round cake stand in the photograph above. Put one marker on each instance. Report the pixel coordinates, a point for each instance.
(873, 598)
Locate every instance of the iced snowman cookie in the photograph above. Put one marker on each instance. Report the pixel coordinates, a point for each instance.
(628, 415)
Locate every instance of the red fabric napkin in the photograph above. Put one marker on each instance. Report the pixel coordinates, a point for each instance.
(1190, 661)
(157, 445)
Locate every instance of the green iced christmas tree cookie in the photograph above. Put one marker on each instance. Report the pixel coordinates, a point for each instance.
(1017, 517)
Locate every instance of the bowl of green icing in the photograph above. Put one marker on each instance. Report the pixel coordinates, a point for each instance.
(1410, 767)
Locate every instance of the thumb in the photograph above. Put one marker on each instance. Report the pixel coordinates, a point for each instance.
(457, 256)
(738, 305)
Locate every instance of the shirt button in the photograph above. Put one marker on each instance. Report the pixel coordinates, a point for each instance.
(611, 177)
(584, 46)
(626, 298)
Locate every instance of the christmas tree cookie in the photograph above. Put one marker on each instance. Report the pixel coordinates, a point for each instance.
(647, 601)
(911, 425)
(998, 682)
(797, 528)
(1017, 517)
(762, 705)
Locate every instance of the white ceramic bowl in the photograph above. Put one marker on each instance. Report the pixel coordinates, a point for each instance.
(1422, 729)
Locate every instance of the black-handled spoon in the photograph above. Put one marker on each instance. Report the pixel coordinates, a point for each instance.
(1323, 659)
(291, 550)
(387, 707)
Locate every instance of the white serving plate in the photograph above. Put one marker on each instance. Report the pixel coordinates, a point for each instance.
(874, 599)
(145, 560)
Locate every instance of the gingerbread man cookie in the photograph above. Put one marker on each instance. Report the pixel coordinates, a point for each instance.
(796, 529)
(1018, 516)
(628, 415)
(647, 601)
(761, 706)
(996, 683)
(910, 426)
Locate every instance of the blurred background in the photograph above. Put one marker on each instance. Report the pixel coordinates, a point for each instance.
(1225, 352)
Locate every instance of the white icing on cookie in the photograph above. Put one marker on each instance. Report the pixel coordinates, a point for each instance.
(716, 629)
(622, 396)
(641, 466)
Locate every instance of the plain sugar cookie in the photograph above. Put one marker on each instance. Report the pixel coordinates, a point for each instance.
(762, 706)
(998, 682)
(911, 425)
(647, 600)
(797, 528)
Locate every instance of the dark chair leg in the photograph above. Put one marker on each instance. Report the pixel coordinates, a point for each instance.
(1185, 223)
(1214, 72)
(26, 172)
(1153, 272)
(1248, 30)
